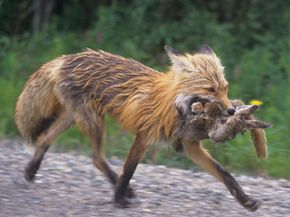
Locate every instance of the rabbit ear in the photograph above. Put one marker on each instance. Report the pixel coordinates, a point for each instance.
(196, 108)
(183, 104)
(237, 103)
(254, 124)
(246, 109)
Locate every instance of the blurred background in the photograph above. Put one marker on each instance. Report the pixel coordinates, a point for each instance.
(250, 36)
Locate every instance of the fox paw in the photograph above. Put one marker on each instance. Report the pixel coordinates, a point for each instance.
(252, 204)
(122, 203)
(29, 174)
(130, 193)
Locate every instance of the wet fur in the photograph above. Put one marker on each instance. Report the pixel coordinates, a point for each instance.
(79, 89)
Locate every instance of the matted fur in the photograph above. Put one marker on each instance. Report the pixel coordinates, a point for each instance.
(140, 98)
(80, 88)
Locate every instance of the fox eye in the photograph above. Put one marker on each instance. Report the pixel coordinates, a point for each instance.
(211, 89)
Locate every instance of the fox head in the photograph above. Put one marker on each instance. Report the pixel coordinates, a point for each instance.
(200, 74)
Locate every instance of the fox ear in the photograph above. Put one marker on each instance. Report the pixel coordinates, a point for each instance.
(171, 51)
(179, 62)
(206, 49)
(237, 103)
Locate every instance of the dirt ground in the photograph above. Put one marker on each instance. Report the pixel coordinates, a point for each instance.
(68, 185)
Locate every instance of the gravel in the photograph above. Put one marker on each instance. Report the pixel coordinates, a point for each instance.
(67, 184)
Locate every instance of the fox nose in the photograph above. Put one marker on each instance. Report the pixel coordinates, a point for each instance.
(231, 111)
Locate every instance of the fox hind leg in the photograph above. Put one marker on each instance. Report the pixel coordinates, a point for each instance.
(43, 142)
(93, 125)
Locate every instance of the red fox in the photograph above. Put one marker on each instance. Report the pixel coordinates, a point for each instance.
(79, 89)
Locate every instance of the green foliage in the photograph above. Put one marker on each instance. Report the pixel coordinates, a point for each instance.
(252, 39)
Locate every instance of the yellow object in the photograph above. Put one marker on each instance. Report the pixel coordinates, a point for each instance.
(256, 102)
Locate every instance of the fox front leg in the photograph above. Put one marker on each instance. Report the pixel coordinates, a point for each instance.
(136, 153)
(202, 158)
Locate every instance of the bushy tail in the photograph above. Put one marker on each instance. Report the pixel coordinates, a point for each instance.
(37, 107)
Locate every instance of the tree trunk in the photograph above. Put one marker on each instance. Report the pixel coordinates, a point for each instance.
(42, 11)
